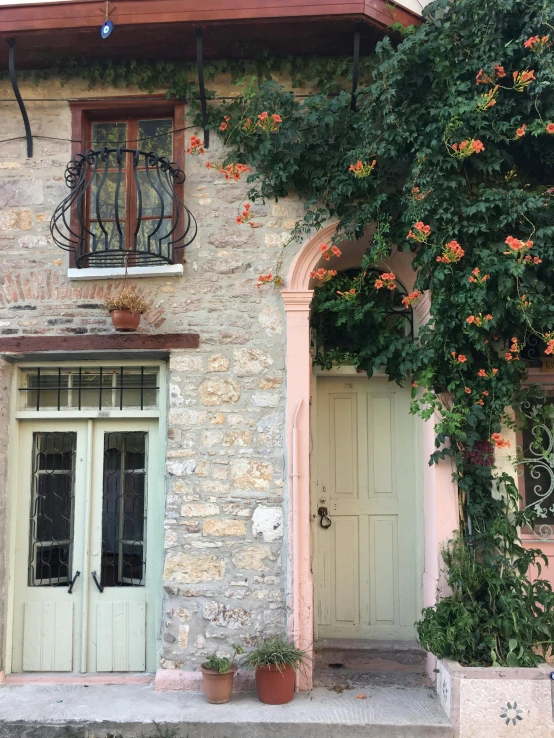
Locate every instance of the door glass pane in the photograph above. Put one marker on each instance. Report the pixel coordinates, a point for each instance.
(124, 509)
(538, 463)
(52, 509)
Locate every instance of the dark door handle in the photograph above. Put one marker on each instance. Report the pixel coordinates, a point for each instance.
(100, 587)
(324, 519)
(72, 582)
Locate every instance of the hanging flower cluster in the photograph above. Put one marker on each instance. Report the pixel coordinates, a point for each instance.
(420, 232)
(523, 79)
(518, 247)
(478, 320)
(515, 348)
(476, 278)
(328, 251)
(487, 99)
(411, 298)
(350, 295)
(452, 253)
(273, 279)
(500, 442)
(483, 79)
(537, 43)
(418, 195)
(467, 148)
(246, 215)
(323, 275)
(196, 146)
(361, 169)
(264, 123)
(231, 171)
(387, 280)
(459, 358)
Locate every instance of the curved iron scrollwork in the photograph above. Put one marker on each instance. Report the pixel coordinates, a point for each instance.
(536, 463)
(111, 219)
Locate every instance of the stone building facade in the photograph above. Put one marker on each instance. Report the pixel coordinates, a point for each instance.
(226, 485)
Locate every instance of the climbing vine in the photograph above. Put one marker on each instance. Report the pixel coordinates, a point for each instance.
(449, 155)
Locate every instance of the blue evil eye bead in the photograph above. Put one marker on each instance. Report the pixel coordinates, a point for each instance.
(552, 675)
(107, 28)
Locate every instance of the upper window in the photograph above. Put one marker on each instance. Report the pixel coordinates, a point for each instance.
(125, 209)
(125, 206)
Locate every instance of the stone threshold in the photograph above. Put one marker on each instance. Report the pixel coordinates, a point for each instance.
(133, 710)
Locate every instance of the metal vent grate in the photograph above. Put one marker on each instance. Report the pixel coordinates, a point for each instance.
(104, 388)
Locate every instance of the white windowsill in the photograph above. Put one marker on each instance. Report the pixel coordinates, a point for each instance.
(168, 270)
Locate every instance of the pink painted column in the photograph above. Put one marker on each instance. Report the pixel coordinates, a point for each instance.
(299, 373)
(440, 502)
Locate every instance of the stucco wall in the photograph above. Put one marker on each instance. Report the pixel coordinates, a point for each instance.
(226, 482)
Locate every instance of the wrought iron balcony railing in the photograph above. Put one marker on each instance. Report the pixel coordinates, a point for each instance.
(123, 209)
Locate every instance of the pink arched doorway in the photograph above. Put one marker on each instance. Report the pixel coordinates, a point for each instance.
(440, 498)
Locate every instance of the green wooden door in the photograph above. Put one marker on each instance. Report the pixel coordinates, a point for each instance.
(87, 557)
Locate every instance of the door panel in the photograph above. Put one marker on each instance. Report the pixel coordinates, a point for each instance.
(48, 636)
(124, 550)
(121, 630)
(50, 508)
(367, 583)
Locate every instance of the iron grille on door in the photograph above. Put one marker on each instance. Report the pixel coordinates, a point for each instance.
(52, 509)
(124, 509)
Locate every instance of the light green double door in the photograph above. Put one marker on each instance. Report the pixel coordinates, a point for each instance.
(87, 554)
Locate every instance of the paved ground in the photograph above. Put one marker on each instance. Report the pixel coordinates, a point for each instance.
(132, 711)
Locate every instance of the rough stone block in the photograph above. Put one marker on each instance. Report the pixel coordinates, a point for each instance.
(251, 474)
(217, 527)
(249, 362)
(185, 568)
(214, 392)
(199, 509)
(251, 557)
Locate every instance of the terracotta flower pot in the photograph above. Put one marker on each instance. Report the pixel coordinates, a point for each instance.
(275, 687)
(125, 321)
(217, 687)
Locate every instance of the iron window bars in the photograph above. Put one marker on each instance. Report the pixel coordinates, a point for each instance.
(52, 509)
(77, 388)
(96, 179)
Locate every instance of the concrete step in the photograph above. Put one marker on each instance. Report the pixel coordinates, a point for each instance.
(136, 711)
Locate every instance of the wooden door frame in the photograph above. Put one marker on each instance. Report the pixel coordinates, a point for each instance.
(18, 416)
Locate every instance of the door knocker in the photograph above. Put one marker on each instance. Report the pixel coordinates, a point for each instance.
(324, 519)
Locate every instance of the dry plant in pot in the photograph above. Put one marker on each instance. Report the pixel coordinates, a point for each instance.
(276, 661)
(217, 676)
(125, 309)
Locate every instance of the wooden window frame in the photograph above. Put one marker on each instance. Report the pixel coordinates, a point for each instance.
(86, 112)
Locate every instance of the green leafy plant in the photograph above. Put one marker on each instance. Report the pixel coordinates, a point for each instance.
(223, 664)
(493, 613)
(276, 651)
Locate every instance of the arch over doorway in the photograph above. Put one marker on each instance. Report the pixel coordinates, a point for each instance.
(440, 498)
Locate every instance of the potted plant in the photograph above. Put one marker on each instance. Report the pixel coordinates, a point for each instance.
(125, 309)
(276, 661)
(217, 676)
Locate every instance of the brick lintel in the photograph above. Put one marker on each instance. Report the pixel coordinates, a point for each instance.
(109, 342)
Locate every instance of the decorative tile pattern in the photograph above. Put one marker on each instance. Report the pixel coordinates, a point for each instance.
(511, 713)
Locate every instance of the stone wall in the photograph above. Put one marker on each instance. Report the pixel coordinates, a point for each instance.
(226, 483)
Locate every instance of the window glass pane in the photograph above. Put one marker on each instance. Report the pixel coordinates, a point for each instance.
(154, 135)
(154, 195)
(148, 238)
(102, 196)
(111, 135)
(109, 239)
(124, 509)
(109, 387)
(52, 504)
